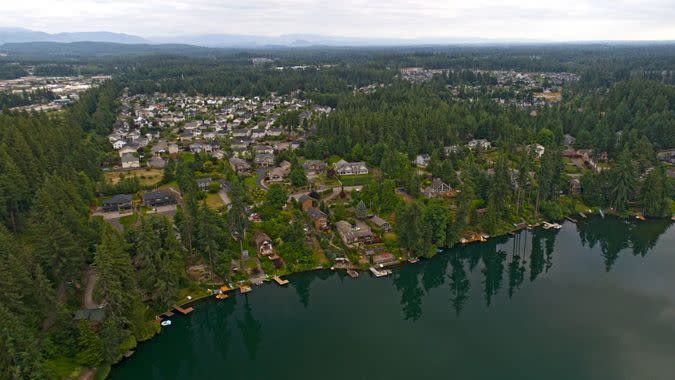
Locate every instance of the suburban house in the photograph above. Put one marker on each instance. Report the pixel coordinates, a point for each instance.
(437, 188)
(157, 162)
(173, 149)
(159, 198)
(118, 202)
(263, 149)
(240, 166)
(279, 173)
(203, 183)
(319, 218)
(306, 202)
(451, 149)
(314, 166)
(354, 235)
(479, 143)
(119, 144)
(129, 161)
(343, 167)
(538, 149)
(264, 160)
(380, 223)
(263, 244)
(422, 160)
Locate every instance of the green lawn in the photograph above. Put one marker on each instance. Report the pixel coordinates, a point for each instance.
(356, 180)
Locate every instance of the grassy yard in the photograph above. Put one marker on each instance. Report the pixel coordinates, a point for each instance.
(356, 180)
(128, 220)
(213, 201)
(147, 177)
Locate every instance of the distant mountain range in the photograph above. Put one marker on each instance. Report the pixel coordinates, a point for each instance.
(18, 35)
(21, 35)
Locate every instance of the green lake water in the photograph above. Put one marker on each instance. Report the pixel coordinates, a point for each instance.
(595, 300)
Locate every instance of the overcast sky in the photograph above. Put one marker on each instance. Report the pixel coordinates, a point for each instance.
(501, 19)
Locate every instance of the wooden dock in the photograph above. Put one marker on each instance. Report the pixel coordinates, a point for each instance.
(280, 280)
(352, 273)
(222, 296)
(183, 311)
(571, 219)
(245, 289)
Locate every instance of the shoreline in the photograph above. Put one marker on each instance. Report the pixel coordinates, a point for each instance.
(509, 234)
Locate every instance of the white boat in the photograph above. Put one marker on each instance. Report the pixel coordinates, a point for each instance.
(380, 272)
(548, 225)
(166, 323)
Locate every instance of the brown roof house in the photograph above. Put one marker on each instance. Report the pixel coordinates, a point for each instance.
(319, 218)
(354, 235)
(306, 202)
(437, 188)
(263, 244)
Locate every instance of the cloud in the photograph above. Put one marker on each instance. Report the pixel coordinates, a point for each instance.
(524, 19)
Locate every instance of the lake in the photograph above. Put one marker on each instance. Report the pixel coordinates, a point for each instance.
(593, 300)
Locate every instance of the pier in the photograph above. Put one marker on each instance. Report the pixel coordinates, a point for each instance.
(183, 311)
(279, 280)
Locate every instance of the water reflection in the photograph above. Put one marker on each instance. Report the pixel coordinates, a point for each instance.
(407, 283)
(251, 330)
(459, 284)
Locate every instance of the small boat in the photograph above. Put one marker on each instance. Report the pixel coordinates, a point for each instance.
(413, 260)
(352, 273)
(548, 225)
(640, 217)
(601, 213)
(166, 323)
(581, 214)
(484, 237)
(222, 296)
(380, 272)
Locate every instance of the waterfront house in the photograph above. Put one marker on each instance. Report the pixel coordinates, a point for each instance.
(263, 243)
(384, 259)
(380, 223)
(354, 235)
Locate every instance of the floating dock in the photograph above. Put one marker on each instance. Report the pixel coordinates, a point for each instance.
(245, 289)
(183, 311)
(280, 280)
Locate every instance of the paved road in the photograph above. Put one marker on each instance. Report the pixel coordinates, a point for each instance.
(260, 178)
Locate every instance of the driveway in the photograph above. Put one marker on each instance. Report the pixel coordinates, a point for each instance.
(260, 178)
